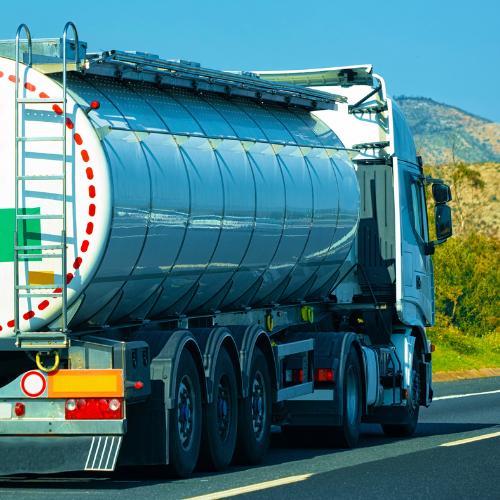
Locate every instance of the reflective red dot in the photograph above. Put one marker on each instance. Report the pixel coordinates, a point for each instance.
(92, 191)
(91, 210)
(85, 155)
(30, 87)
(78, 139)
(12, 78)
(90, 228)
(43, 95)
(69, 278)
(69, 123)
(28, 315)
(57, 109)
(77, 263)
(85, 246)
(90, 174)
(10, 324)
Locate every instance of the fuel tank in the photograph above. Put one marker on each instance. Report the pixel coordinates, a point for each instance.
(178, 202)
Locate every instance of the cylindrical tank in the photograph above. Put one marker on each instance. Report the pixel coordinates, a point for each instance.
(189, 203)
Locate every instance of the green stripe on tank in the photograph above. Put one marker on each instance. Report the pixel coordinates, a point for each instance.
(29, 232)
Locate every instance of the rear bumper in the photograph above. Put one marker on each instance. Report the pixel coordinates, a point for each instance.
(57, 426)
(52, 454)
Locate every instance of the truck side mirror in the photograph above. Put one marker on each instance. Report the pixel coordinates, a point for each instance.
(441, 193)
(444, 225)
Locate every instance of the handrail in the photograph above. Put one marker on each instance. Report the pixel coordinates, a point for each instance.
(16, 164)
(64, 319)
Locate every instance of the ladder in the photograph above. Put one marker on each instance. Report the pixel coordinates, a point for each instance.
(37, 340)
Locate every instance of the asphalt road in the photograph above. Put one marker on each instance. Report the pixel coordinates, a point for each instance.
(420, 467)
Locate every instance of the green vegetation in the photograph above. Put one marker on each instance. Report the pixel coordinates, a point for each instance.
(467, 283)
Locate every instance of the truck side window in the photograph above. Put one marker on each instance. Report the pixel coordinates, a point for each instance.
(418, 215)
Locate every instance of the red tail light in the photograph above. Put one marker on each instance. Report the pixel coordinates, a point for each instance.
(323, 375)
(320, 375)
(19, 409)
(94, 409)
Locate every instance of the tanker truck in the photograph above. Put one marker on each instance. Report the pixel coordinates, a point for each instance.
(190, 256)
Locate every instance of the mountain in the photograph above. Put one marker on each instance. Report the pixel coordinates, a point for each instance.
(440, 130)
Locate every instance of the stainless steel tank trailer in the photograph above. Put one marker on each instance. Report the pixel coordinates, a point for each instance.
(189, 255)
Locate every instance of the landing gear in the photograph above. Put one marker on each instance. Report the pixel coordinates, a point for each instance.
(185, 419)
(220, 418)
(407, 430)
(346, 436)
(254, 424)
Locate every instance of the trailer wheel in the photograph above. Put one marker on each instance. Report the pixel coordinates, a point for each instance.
(346, 436)
(185, 419)
(254, 422)
(220, 418)
(407, 430)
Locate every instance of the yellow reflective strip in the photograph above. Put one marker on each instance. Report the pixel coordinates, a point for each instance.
(85, 383)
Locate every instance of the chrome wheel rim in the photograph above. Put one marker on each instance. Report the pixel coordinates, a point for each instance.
(185, 412)
(351, 395)
(224, 416)
(259, 406)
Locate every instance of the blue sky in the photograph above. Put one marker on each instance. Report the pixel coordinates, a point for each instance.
(442, 49)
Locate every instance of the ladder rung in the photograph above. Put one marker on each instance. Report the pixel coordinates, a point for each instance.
(33, 139)
(27, 217)
(24, 256)
(40, 177)
(36, 295)
(39, 247)
(40, 101)
(38, 287)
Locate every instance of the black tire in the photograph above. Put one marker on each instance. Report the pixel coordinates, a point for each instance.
(413, 409)
(185, 419)
(254, 415)
(346, 436)
(220, 418)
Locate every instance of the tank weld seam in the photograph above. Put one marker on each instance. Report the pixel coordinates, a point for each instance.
(237, 139)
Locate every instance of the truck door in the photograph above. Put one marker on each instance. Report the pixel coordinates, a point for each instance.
(415, 282)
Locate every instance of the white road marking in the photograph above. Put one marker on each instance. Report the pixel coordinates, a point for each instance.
(465, 395)
(471, 440)
(251, 487)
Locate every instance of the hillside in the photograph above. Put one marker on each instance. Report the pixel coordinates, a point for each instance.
(480, 208)
(441, 130)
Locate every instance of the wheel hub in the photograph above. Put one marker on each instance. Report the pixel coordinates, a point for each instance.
(222, 406)
(185, 412)
(258, 405)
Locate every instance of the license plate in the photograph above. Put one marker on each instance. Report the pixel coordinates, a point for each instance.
(5, 411)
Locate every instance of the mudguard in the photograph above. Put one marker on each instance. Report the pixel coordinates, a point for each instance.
(246, 338)
(146, 441)
(210, 341)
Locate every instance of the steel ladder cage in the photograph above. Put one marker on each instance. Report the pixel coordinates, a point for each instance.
(20, 178)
